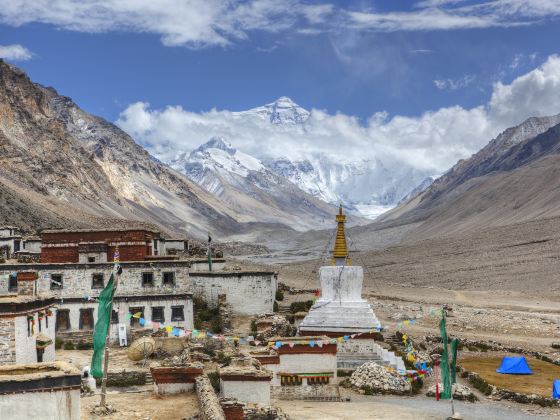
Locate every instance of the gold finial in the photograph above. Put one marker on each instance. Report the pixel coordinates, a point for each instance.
(340, 252)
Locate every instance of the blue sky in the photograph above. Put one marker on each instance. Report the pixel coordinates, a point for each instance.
(355, 71)
(405, 58)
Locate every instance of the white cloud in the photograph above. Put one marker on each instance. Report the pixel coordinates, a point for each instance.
(199, 23)
(193, 23)
(455, 84)
(431, 142)
(15, 52)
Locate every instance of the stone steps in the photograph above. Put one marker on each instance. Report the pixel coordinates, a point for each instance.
(149, 379)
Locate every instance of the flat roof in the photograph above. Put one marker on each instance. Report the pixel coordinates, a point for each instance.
(229, 273)
(145, 229)
(146, 263)
(38, 377)
(12, 304)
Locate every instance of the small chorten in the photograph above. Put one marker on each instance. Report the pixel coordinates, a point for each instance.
(340, 253)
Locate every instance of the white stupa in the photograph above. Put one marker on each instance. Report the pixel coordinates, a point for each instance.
(341, 309)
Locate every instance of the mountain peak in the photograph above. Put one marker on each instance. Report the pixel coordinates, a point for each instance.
(216, 143)
(282, 111)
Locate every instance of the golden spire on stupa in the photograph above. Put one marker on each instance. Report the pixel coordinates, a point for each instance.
(340, 253)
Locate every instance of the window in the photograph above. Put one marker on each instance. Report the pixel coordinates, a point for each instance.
(12, 283)
(97, 281)
(114, 316)
(147, 279)
(290, 380)
(17, 245)
(86, 319)
(318, 380)
(90, 259)
(177, 313)
(62, 320)
(157, 314)
(134, 321)
(56, 281)
(169, 278)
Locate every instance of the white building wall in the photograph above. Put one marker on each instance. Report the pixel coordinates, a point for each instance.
(250, 392)
(77, 279)
(173, 388)
(124, 307)
(203, 265)
(303, 363)
(248, 294)
(53, 405)
(33, 246)
(26, 352)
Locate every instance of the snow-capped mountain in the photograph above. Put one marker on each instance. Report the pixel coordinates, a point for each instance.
(281, 111)
(367, 186)
(242, 181)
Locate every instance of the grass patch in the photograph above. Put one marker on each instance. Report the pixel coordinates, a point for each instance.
(540, 382)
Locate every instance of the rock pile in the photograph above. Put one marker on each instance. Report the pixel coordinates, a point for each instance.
(374, 378)
(273, 325)
(460, 392)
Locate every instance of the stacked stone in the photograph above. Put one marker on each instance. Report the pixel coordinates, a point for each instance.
(210, 408)
(372, 377)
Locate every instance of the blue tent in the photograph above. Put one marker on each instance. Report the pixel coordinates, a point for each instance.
(514, 366)
(556, 389)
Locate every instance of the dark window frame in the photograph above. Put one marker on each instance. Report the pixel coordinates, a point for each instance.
(114, 316)
(147, 283)
(133, 310)
(90, 259)
(12, 283)
(91, 322)
(93, 281)
(158, 318)
(55, 286)
(165, 281)
(59, 313)
(174, 316)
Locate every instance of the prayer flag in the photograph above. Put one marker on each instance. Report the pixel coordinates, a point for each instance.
(101, 327)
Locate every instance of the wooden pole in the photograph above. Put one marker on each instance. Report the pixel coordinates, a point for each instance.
(106, 353)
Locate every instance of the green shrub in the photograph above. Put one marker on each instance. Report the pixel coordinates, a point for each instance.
(341, 373)
(216, 325)
(68, 345)
(254, 329)
(279, 295)
(58, 342)
(301, 306)
(214, 378)
(275, 306)
(82, 345)
(222, 359)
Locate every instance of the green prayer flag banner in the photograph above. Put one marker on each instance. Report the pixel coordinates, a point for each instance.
(101, 327)
(444, 363)
(454, 344)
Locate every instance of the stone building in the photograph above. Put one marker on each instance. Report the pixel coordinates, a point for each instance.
(160, 290)
(27, 329)
(10, 241)
(300, 370)
(247, 292)
(40, 391)
(99, 245)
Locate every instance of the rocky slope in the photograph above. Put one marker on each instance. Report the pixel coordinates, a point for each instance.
(60, 166)
(512, 179)
(242, 181)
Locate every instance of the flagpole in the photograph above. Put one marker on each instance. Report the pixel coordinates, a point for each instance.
(444, 313)
(102, 403)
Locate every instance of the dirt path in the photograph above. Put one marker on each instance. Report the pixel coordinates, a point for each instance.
(143, 405)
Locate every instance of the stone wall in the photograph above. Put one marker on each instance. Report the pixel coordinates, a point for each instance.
(7, 341)
(123, 307)
(210, 408)
(305, 392)
(124, 378)
(26, 351)
(248, 293)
